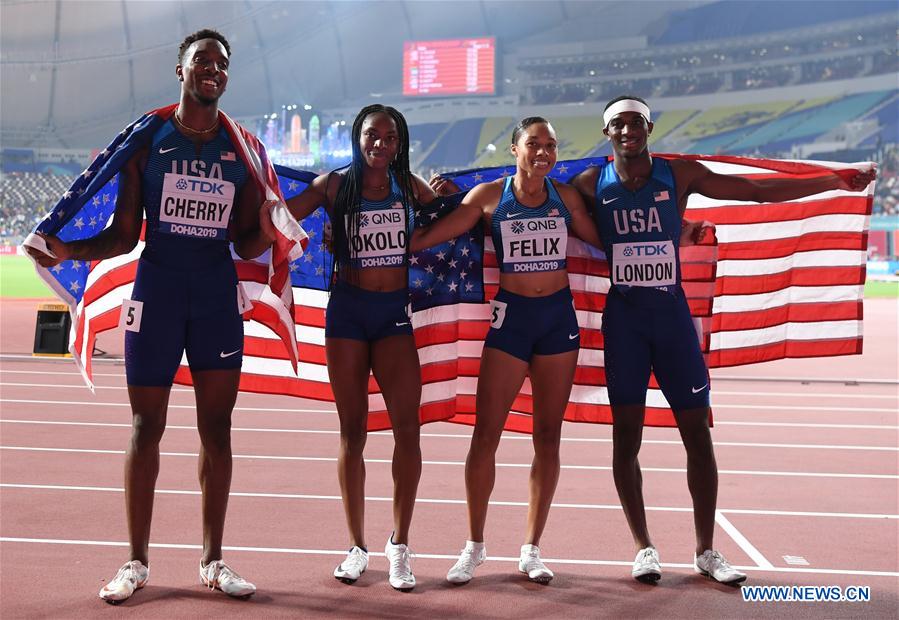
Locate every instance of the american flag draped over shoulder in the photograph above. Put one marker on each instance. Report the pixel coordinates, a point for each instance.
(94, 290)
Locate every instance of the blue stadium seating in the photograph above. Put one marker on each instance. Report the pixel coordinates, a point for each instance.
(723, 20)
(457, 146)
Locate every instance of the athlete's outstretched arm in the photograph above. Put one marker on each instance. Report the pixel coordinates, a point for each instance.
(317, 194)
(582, 225)
(696, 178)
(120, 237)
(463, 218)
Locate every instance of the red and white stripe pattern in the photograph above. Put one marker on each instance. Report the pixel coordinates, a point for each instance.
(790, 276)
(788, 283)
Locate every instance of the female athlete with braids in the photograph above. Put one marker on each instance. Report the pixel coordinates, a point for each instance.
(533, 329)
(367, 325)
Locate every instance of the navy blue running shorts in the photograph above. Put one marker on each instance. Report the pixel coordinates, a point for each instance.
(647, 330)
(527, 326)
(173, 311)
(358, 314)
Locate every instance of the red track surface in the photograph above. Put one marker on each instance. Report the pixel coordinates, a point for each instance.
(808, 468)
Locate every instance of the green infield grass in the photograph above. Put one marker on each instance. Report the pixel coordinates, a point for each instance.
(882, 288)
(18, 279)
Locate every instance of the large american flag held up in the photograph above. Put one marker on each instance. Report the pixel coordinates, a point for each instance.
(94, 291)
(782, 280)
(787, 281)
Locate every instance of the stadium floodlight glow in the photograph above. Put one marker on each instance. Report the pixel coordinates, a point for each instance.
(307, 106)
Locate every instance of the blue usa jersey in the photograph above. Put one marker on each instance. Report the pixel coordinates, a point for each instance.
(189, 196)
(528, 239)
(384, 230)
(640, 230)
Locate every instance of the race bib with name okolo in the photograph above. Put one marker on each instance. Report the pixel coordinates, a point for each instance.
(537, 244)
(644, 263)
(195, 206)
(381, 239)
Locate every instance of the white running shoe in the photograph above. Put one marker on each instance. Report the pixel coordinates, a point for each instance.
(218, 575)
(530, 563)
(712, 564)
(353, 565)
(472, 556)
(400, 558)
(647, 565)
(132, 576)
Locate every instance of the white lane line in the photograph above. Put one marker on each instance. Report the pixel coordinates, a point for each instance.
(83, 403)
(440, 556)
(847, 381)
(716, 406)
(848, 394)
(509, 436)
(670, 470)
(425, 500)
(664, 442)
(744, 544)
(879, 427)
(716, 393)
(715, 377)
(88, 403)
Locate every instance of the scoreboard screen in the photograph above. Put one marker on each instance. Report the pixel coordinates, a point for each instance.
(450, 67)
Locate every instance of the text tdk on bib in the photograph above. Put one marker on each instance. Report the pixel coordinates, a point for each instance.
(195, 207)
(644, 263)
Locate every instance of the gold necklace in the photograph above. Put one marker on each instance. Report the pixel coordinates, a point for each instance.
(198, 132)
(375, 188)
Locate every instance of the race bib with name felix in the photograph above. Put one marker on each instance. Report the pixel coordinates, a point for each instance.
(644, 263)
(381, 239)
(195, 206)
(538, 244)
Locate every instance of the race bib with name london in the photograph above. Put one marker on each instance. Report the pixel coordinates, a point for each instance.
(644, 263)
(195, 206)
(381, 239)
(538, 244)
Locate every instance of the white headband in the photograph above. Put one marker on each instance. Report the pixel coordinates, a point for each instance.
(625, 105)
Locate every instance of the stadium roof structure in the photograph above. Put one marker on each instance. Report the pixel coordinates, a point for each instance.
(75, 71)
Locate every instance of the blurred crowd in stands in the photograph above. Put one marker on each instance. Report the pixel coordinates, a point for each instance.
(783, 60)
(886, 197)
(25, 197)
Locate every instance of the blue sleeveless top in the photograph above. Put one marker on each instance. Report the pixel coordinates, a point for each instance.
(528, 239)
(640, 231)
(189, 199)
(385, 227)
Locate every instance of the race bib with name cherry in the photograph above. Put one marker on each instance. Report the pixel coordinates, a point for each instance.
(644, 263)
(195, 206)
